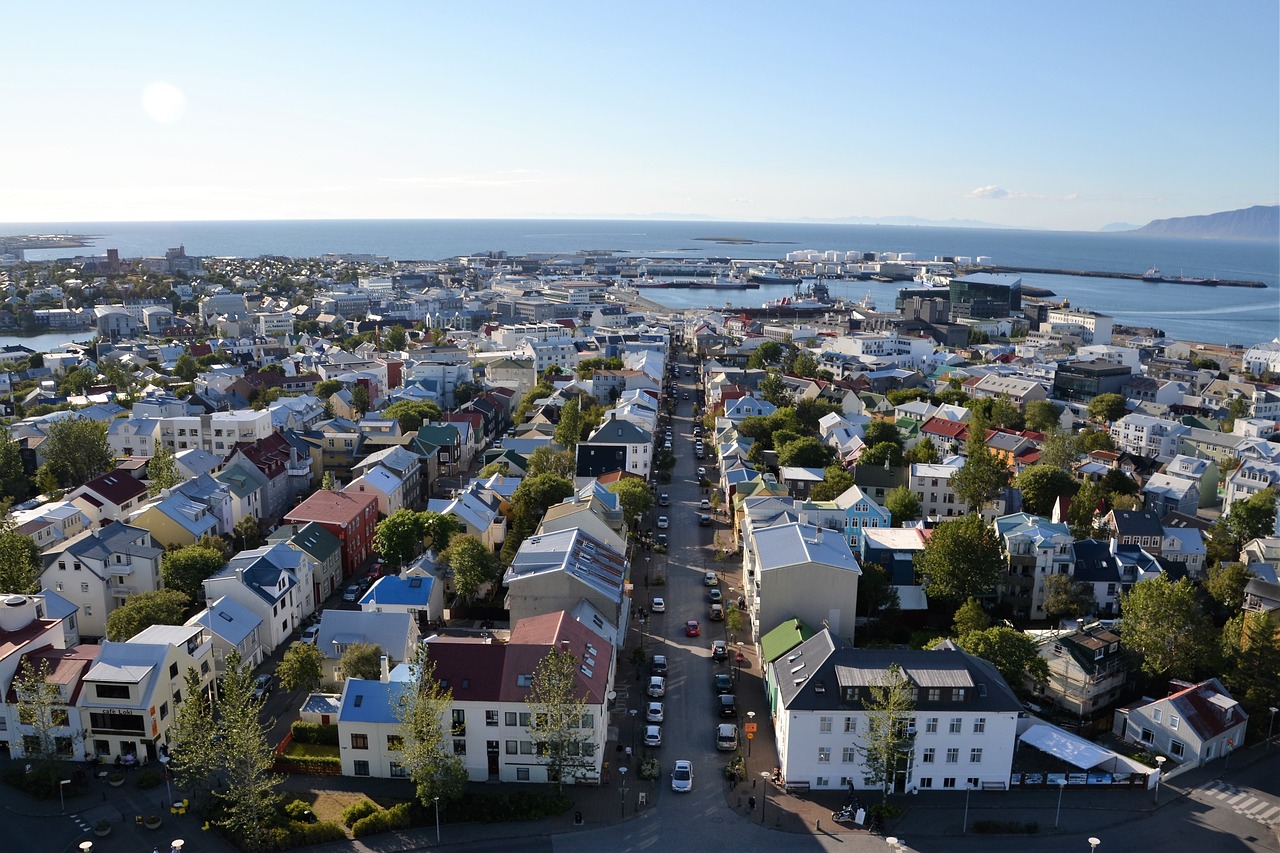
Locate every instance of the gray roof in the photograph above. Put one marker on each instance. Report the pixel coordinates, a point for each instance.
(793, 544)
(390, 631)
(228, 619)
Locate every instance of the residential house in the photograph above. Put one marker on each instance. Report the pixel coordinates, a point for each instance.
(348, 516)
(856, 511)
(405, 464)
(395, 633)
(174, 520)
(109, 497)
(1165, 493)
(1088, 670)
(42, 625)
(477, 513)
(932, 485)
(799, 571)
(611, 442)
(1195, 725)
(1250, 478)
(246, 489)
(1018, 391)
(1137, 529)
(233, 628)
(265, 582)
(384, 485)
(416, 592)
(555, 571)
(324, 549)
(1143, 435)
(1037, 549)
(99, 569)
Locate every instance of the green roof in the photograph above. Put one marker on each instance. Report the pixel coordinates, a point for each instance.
(783, 639)
(316, 541)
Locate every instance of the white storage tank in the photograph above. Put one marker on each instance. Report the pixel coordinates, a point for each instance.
(906, 256)
(983, 260)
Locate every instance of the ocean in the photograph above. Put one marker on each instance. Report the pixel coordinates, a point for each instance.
(1209, 314)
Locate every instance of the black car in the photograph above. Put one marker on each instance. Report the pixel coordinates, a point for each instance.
(659, 665)
(704, 520)
(724, 684)
(728, 705)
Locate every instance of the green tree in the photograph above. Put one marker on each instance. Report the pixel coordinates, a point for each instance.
(41, 711)
(76, 450)
(884, 453)
(1253, 517)
(47, 482)
(1108, 407)
(412, 414)
(569, 430)
(1042, 415)
(1006, 414)
(557, 711)
(774, 390)
(877, 596)
(362, 660)
(1082, 515)
(327, 483)
(1060, 450)
(1066, 599)
(249, 801)
(14, 482)
(301, 668)
(195, 755)
(805, 365)
(924, 453)
(398, 537)
(360, 399)
(76, 381)
(1012, 652)
(326, 388)
(887, 748)
(1098, 439)
(185, 569)
(903, 505)
(810, 412)
(634, 497)
(530, 399)
(495, 467)
(1226, 583)
(1163, 622)
(982, 476)
(963, 558)
(162, 471)
(835, 482)
(529, 503)
(397, 338)
(186, 368)
(1041, 486)
(20, 562)
(247, 533)
(969, 618)
(438, 529)
(878, 432)
(474, 565)
(769, 352)
(1251, 649)
(545, 460)
(141, 611)
(804, 453)
(427, 753)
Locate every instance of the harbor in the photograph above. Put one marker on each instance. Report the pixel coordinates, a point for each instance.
(1128, 276)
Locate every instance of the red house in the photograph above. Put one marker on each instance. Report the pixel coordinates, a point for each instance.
(350, 517)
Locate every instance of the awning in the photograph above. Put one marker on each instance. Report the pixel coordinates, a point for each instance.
(1071, 749)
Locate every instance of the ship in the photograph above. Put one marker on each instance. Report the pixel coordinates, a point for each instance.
(1152, 274)
(761, 276)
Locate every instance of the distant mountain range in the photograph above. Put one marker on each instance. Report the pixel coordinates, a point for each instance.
(1259, 222)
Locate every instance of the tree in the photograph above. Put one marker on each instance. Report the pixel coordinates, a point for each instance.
(162, 471)
(495, 467)
(529, 503)
(427, 753)
(545, 460)
(76, 381)
(1012, 652)
(438, 529)
(301, 668)
(186, 368)
(774, 390)
(1253, 517)
(361, 660)
(141, 611)
(1108, 407)
(327, 388)
(1041, 486)
(42, 711)
(123, 378)
(805, 365)
(194, 755)
(1066, 599)
(1098, 439)
(360, 398)
(983, 475)
(557, 711)
(963, 558)
(835, 482)
(887, 747)
(397, 338)
(809, 412)
(20, 562)
(1082, 515)
(412, 414)
(1005, 413)
(878, 432)
(246, 534)
(804, 453)
(903, 505)
(969, 618)
(1251, 648)
(47, 483)
(1226, 583)
(769, 352)
(14, 482)
(76, 450)
(569, 430)
(1060, 450)
(884, 453)
(924, 453)
(634, 497)
(1042, 415)
(246, 758)
(399, 536)
(473, 565)
(185, 569)
(1163, 622)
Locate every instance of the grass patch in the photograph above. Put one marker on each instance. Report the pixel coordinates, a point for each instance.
(302, 751)
(329, 805)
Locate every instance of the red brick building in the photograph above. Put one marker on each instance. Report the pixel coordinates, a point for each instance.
(350, 517)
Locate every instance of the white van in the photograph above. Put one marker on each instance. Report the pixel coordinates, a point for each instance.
(726, 737)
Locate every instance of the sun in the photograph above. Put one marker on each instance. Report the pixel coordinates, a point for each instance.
(163, 102)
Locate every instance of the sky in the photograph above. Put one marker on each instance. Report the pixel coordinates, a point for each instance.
(1063, 115)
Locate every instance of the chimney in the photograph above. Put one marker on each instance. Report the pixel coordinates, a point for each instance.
(386, 671)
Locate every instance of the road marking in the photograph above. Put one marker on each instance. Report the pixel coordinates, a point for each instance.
(1240, 807)
(1269, 813)
(1242, 802)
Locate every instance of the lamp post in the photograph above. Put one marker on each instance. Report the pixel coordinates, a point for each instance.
(623, 771)
(437, 802)
(738, 664)
(61, 796)
(764, 801)
(1062, 786)
(1160, 759)
(1271, 728)
(967, 788)
(176, 845)
(1093, 844)
(164, 760)
(633, 712)
(751, 718)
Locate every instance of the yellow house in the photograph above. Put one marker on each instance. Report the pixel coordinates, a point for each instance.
(175, 520)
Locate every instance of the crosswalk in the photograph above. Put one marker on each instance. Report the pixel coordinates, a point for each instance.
(1242, 801)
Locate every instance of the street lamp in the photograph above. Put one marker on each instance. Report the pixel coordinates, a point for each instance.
(437, 802)
(633, 712)
(62, 797)
(1160, 760)
(751, 719)
(1062, 786)
(738, 664)
(1093, 844)
(764, 801)
(176, 845)
(968, 786)
(1271, 727)
(623, 771)
(164, 760)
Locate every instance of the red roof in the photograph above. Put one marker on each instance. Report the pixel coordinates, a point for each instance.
(269, 455)
(325, 507)
(116, 487)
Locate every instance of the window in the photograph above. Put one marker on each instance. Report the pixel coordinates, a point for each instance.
(359, 741)
(510, 718)
(395, 743)
(522, 774)
(935, 694)
(1176, 748)
(204, 667)
(975, 756)
(953, 755)
(824, 725)
(824, 755)
(526, 747)
(459, 721)
(361, 768)
(849, 755)
(459, 746)
(164, 710)
(955, 726)
(111, 691)
(1147, 736)
(931, 725)
(512, 747)
(524, 719)
(1173, 721)
(979, 725)
(851, 725)
(926, 782)
(398, 771)
(490, 718)
(957, 694)
(928, 756)
(1156, 714)
(84, 587)
(949, 782)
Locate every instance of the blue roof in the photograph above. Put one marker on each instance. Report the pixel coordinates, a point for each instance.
(229, 620)
(395, 590)
(369, 701)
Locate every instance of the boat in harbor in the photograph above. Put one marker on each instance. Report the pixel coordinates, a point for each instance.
(1152, 274)
(761, 276)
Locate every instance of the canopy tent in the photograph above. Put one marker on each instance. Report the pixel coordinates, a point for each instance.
(1071, 749)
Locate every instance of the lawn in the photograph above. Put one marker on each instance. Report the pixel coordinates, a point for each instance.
(328, 805)
(301, 751)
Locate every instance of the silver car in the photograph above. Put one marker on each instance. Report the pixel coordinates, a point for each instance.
(653, 736)
(654, 712)
(657, 686)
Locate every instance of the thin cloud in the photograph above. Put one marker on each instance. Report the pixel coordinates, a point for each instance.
(472, 180)
(989, 192)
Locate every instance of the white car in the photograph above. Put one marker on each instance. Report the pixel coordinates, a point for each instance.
(352, 593)
(654, 712)
(657, 686)
(659, 606)
(682, 776)
(653, 736)
(710, 579)
(702, 473)
(705, 503)
(663, 523)
(310, 635)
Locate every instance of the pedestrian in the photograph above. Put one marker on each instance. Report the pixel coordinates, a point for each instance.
(628, 753)
(751, 803)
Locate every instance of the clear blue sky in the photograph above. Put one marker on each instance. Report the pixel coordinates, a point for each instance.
(1064, 115)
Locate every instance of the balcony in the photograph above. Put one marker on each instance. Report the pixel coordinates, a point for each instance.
(298, 470)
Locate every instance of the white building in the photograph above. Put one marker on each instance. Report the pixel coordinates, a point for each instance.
(932, 485)
(1143, 435)
(1094, 328)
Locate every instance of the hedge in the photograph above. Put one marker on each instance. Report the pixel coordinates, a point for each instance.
(304, 732)
(296, 834)
(496, 808)
(384, 820)
(42, 781)
(357, 810)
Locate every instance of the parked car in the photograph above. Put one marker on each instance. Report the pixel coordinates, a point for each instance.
(705, 503)
(724, 683)
(663, 523)
(686, 395)
(702, 473)
(714, 596)
(658, 666)
(352, 593)
(726, 737)
(262, 687)
(658, 605)
(704, 521)
(719, 650)
(692, 628)
(716, 612)
(710, 579)
(682, 777)
(657, 686)
(728, 705)
(653, 736)
(653, 713)
(661, 539)
(664, 499)
(311, 634)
